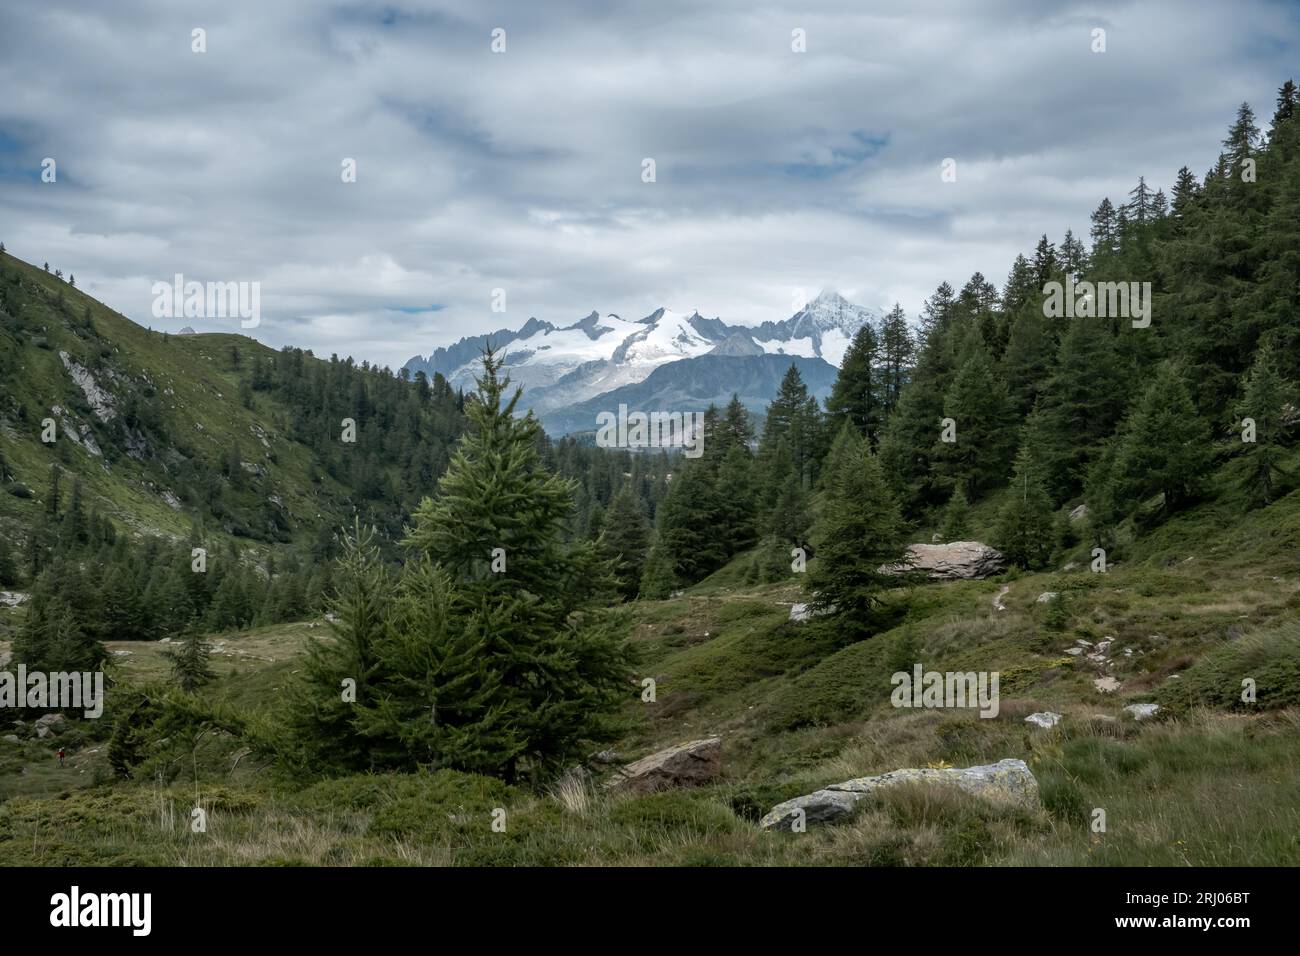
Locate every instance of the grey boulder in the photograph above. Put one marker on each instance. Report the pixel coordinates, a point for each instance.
(954, 561)
(684, 765)
(1009, 782)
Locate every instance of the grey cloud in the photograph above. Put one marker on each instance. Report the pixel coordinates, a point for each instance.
(776, 170)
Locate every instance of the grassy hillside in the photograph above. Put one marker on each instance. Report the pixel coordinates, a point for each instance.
(152, 424)
(1194, 608)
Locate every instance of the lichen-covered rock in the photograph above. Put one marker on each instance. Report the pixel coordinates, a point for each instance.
(685, 765)
(1045, 719)
(1008, 782)
(954, 561)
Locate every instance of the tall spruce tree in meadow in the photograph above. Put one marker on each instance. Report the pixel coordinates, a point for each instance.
(1263, 414)
(336, 675)
(625, 541)
(190, 667)
(858, 530)
(1024, 532)
(435, 696)
(1165, 448)
(858, 394)
(559, 670)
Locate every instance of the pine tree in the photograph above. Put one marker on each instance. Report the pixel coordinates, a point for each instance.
(1030, 356)
(1024, 530)
(559, 671)
(625, 541)
(125, 617)
(1165, 447)
(1186, 190)
(1073, 256)
(1286, 103)
(436, 696)
(735, 427)
(1044, 262)
(1140, 205)
(793, 416)
(1081, 403)
(1105, 229)
(737, 500)
(858, 530)
(657, 580)
(979, 406)
(323, 719)
(1265, 400)
(1243, 139)
(688, 525)
(956, 518)
(896, 351)
(1159, 205)
(190, 669)
(857, 396)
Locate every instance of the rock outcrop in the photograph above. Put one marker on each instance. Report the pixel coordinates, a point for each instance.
(51, 725)
(101, 402)
(1008, 782)
(685, 765)
(954, 561)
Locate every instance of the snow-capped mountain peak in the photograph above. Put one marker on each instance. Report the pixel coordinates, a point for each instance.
(561, 366)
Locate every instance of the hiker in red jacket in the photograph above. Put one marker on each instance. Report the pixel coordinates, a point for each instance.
(60, 756)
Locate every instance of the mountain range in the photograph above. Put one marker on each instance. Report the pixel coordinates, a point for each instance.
(665, 361)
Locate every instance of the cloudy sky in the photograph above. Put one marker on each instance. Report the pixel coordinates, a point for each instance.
(776, 171)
